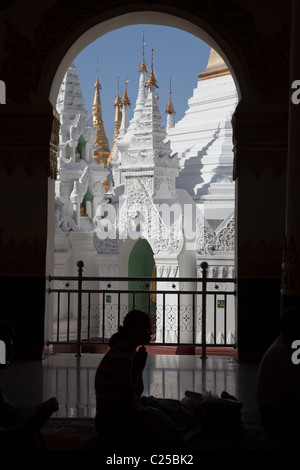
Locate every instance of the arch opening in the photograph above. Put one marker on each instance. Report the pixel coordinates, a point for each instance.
(110, 25)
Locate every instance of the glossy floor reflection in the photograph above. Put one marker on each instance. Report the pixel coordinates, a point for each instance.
(71, 380)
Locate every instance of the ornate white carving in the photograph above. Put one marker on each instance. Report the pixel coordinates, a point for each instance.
(169, 181)
(218, 271)
(107, 245)
(76, 128)
(169, 241)
(205, 239)
(209, 241)
(64, 163)
(138, 216)
(80, 186)
(226, 236)
(86, 180)
(64, 223)
(62, 191)
(165, 270)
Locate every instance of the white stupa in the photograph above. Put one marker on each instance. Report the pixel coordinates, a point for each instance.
(203, 141)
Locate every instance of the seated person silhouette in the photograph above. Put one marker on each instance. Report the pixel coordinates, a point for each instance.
(17, 432)
(123, 415)
(278, 384)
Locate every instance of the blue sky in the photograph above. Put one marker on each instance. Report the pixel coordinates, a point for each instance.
(177, 55)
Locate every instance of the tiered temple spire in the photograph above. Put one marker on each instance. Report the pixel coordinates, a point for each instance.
(143, 67)
(118, 114)
(170, 110)
(125, 99)
(142, 94)
(149, 135)
(126, 130)
(151, 81)
(101, 153)
(125, 103)
(118, 121)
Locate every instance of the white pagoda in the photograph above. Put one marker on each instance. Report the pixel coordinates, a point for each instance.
(203, 143)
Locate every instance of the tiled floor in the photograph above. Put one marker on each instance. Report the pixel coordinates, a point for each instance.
(71, 380)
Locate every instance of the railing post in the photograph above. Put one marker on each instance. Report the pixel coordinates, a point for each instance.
(204, 266)
(80, 265)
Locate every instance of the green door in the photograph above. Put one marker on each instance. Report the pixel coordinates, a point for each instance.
(140, 264)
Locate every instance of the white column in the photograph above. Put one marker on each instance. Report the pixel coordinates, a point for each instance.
(87, 150)
(76, 213)
(72, 146)
(124, 122)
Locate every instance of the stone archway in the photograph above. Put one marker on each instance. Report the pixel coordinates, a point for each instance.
(53, 88)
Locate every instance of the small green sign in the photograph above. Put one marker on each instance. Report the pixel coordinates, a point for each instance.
(108, 299)
(221, 303)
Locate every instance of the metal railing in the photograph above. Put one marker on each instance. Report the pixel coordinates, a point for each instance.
(88, 310)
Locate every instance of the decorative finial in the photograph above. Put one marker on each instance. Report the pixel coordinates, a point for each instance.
(117, 101)
(97, 83)
(151, 80)
(170, 107)
(118, 121)
(143, 67)
(125, 99)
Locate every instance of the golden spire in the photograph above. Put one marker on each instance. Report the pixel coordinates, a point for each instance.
(170, 107)
(118, 114)
(117, 101)
(143, 67)
(151, 80)
(101, 153)
(118, 121)
(216, 67)
(125, 100)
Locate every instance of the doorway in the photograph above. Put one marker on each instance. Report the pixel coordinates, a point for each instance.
(140, 264)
